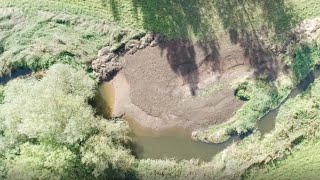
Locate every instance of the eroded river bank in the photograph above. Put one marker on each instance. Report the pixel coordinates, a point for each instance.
(175, 142)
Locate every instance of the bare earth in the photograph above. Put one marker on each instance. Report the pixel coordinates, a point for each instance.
(181, 84)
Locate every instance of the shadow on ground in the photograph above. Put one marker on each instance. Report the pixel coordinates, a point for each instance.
(245, 21)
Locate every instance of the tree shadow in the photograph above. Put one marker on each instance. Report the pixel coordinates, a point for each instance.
(171, 17)
(114, 5)
(240, 15)
(238, 18)
(181, 58)
(261, 59)
(244, 21)
(15, 74)
(212, 59)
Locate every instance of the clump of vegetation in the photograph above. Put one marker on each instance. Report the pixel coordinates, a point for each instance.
(59, 123)
(305, 58)
(241, 91)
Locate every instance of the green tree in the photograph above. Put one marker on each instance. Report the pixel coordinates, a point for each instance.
(49, 131)
(41, 162)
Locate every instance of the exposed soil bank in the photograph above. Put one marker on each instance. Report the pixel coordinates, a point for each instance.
(180, 84)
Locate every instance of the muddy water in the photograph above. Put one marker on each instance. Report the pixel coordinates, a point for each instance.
(171, 143)
(267, 123)
(105, 99)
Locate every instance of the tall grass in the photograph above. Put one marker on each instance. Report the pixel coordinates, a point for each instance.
(39, 40)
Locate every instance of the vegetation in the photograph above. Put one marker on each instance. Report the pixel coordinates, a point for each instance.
(185, 19)
(305, 58)
(48, 130)
(299, 122)
(53, 38)
(264, 96)
(241, 91)
(1, 93)
(303, 163)
(56, 135)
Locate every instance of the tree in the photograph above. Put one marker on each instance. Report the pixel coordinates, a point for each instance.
(41, 162)
(49, 131)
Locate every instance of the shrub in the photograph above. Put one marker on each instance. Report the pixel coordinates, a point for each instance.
(241, 91)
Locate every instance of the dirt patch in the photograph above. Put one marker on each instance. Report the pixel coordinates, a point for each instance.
(181, 84)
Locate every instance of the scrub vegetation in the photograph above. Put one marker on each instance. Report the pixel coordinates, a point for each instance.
(49, 130)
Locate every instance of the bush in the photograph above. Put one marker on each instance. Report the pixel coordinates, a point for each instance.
(241, 91)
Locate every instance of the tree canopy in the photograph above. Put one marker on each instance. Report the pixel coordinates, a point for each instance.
(49, 130)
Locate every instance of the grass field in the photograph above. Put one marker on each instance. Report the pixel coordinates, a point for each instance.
(185, 18)
(92, 21)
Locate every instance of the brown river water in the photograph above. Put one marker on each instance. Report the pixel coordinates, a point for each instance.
(170, 143)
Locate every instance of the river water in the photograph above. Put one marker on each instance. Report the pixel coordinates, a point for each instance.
(170, 143)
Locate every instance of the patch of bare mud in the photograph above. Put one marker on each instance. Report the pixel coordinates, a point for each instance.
(181, 84)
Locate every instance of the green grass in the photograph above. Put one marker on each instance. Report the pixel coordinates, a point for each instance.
(303, 163)
(185, 18)
(41, 39)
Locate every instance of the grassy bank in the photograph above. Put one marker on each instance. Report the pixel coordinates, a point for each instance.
(41, 39)
(300, 118)
(264, 96)
(303, 163)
